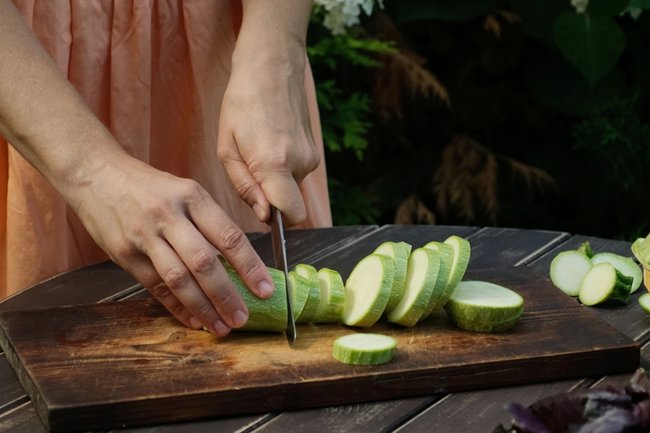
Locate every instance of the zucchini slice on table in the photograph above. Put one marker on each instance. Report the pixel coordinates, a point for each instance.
(604, 283)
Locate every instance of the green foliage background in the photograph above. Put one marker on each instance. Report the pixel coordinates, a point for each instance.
(537, 86)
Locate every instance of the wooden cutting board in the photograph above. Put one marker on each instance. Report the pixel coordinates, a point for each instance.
(129, 363)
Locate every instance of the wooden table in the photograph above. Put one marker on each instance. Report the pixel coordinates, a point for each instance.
(477, 411)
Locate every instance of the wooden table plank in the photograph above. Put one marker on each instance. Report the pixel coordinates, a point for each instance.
(83, 286)
(21, 419)
(478, 411)
(11, 392)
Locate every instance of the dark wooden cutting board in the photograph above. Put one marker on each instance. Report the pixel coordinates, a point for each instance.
(130, 363)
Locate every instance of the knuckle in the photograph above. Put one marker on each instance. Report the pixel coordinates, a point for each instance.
(227, 297)
(177, 309)
(176, 278)
(232, 238)
(205, 311)
(160, 291)
(225, 154)
(203, 261)
(122, 251)
(245, 188)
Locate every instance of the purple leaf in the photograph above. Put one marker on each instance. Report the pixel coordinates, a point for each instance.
(642, 413)
(525, 420)
(612, 421)
(600, 401)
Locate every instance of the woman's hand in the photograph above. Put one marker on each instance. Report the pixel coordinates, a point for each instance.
(167, 232)
(265, 138)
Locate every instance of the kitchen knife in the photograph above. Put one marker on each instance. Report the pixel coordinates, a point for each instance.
(280, 260)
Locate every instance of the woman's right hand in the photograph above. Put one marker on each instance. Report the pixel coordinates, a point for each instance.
(168, 232)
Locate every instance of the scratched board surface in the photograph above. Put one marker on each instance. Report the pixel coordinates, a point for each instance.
(109, 365)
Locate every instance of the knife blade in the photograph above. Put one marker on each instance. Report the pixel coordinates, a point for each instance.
(280, 260)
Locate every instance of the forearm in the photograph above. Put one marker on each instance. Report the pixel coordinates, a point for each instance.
(273, 31)
(41, 114)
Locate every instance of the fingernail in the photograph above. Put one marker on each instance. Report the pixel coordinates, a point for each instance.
(259, 211)
(265, 289)
(239, 318)
(220, 328)
(195, 323)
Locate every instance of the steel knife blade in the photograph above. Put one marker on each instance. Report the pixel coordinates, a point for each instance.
(280, 260)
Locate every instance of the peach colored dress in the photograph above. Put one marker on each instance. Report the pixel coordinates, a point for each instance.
(154, 72)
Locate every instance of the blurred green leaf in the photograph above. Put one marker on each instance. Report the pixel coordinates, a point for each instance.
(352, 204)
(359, 52)
(606, 8)
(593, 45)
(558, 85)
(538, 18)
(444, 10)
(640, 4)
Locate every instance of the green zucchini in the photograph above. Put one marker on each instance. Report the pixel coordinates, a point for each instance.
(310, 274)
(364, 349)
(481, 306)
(299, 288)
(263, 314)
(603, 283)
(399, 252)
(332, 296)
(568, 269)
(421, 275)
(442, 289)
(625, 265)
(644, 302)
(462, 253)
(367, 290)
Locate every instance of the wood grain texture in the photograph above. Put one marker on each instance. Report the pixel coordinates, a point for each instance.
(130, 363)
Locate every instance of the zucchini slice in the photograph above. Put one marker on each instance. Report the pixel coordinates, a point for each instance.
(364, 349)
(367, 290)
(421, 275)
(481, 306)
(332, 296)
(625, 265)
(310, 274)
(399, 252)
(604, 283)
(568, 269)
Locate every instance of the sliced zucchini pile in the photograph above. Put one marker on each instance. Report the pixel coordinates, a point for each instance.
(596, 278)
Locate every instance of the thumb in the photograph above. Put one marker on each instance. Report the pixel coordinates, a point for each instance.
(284, 193)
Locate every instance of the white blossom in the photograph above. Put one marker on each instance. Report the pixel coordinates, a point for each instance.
(342, 14)
(580, 5)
